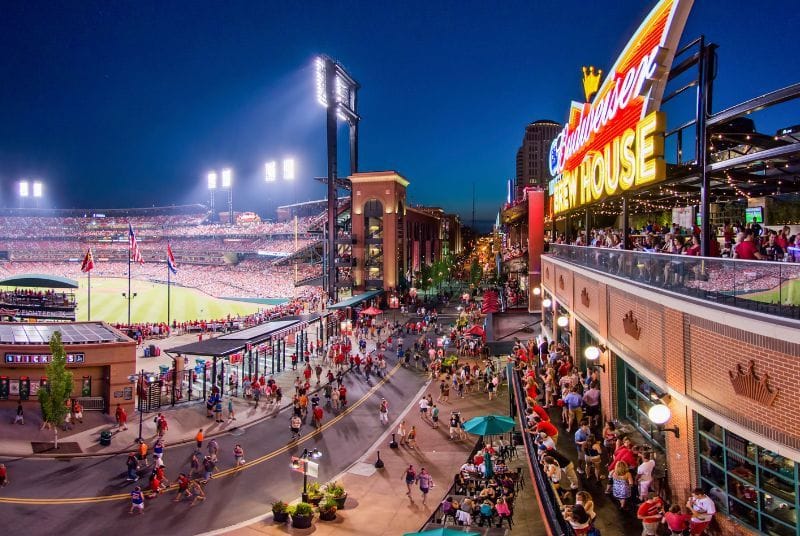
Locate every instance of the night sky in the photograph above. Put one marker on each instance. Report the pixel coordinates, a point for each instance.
(120, 104)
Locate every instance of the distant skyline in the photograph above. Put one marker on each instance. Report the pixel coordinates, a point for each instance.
(131, 103)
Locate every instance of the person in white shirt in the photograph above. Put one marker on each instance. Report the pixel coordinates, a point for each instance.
(423, 408)
(703, 510)
(645, 475)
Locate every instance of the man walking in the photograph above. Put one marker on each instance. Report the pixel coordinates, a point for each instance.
(294, 425)
(384, 411)
(650, 512)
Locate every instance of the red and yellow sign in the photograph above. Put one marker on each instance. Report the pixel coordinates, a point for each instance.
(616, 142)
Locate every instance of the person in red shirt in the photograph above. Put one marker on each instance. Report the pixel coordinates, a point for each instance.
(624, 453)
(694, 249)
(746, 248)
(650, 512)
(122, 418)
(546, 427)
(676, 520)
(318, 413)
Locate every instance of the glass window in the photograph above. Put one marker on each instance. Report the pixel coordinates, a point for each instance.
(640, 396)
(752, 484)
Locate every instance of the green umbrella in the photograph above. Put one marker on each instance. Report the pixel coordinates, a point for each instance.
(489, 425)
(442, 532)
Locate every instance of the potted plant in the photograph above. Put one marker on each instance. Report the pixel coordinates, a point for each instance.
(302, 515)
(327, 509)
(314, 493)
(280, 512)
(337, 492)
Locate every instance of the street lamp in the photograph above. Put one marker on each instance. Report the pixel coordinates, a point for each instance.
(301, 462)
(140, 380)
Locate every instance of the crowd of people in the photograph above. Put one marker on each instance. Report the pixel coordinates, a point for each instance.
(251, 277)
(562, 400)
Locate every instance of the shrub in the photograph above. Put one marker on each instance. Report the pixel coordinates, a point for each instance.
(279, 507)
(303, 509)
(328, 506)
(335, 489)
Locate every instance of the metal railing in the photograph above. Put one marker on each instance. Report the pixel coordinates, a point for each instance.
(766, 287)
(555, 523)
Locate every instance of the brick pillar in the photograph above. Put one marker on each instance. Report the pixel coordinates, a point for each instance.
(680, 451)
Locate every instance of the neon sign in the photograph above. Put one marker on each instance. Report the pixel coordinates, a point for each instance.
(616, 142)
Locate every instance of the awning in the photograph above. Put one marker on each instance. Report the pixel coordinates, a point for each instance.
(38, 281)
(355, 300)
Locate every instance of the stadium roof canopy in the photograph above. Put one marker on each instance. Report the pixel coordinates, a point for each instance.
(355, 300)
(38, 281)
(237, 341)
(71, 333)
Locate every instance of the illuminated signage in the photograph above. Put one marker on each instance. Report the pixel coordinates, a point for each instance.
(39, 359)
(616, 142)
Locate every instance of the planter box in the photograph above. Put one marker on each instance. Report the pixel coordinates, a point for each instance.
(340, 501)
(280, 517)
(327, 516)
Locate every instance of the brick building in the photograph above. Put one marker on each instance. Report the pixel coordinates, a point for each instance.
(727, 375)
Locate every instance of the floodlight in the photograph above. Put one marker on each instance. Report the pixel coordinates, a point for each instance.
(320, 66)
(227, 177)
(270, 171)
(212, 180)
(24, 189)
(288, 169)
(37, 189)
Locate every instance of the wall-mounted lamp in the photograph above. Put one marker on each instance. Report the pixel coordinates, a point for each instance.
(593, 353)
(562, 321)
(537, 291)
(547, 302)
(659, 414)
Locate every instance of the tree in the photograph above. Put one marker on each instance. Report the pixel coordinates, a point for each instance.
(53, 398)
(475, 272)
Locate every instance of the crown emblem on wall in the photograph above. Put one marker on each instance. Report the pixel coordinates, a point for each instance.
(585, 298)
(750, 386)
(591, 82)
(561, 282)
(631, 325)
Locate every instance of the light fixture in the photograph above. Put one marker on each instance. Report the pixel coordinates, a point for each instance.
(24, 188)
(295, 463)
(270, 171)
(536, 291)
(547, 302)
(562, 321)
(315, 454)
(37, 189)
(288, 169)
(212, 180)
(659, 414)
(227, 178)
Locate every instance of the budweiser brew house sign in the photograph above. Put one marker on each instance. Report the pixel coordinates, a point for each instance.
(615, 141)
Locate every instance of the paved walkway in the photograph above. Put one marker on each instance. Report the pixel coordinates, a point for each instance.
(377, 504)
(184, 419)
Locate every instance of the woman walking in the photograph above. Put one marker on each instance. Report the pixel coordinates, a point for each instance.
(621, 483)
(410, 476)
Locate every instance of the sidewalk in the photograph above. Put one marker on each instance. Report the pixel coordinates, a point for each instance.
(377, 504)
(184, 419)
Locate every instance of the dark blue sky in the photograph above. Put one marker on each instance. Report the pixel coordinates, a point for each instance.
(130, 103)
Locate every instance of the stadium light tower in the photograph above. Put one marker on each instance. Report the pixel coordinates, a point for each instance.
(271, 170)
(227, 184)
(212, 186)
(24, 192)
(337, 91)
(37, 192)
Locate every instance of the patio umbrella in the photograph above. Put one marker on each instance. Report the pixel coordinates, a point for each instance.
(489, 425)
(442, 532)
(372, 311)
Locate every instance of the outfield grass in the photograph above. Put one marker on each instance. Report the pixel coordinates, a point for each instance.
(150, 303)
(787, 293)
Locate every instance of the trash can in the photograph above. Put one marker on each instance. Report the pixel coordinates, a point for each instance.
(105, 438)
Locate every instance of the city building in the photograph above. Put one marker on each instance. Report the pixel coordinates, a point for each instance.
(100, 358)
(532, 156)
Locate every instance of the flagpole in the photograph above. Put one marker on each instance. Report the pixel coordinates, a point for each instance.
(169, 282)
(129, 281)
(89, 297)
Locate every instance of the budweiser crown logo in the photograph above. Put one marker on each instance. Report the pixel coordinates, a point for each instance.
(591, 82)
(561, 282)
(585, 298)
(631, 325)
(750, 386)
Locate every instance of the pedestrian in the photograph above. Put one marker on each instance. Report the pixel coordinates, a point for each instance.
(435, 417)
(159, 425)
(133, 466)
(650, 512)
(218, 410)
(401, 431)
(318, 414)
(208, 468)
(335, 399)
(194, 462)
(143, 453)
(199, 439)
(137, 500)
(196, 490)
(425, 481)
(78, 410)
(294, 425)
(213, 448)
(158, 452)
(383, 411)
(20, 418)
(423, 408)
(454, 425)
(645, 475)
(621, 482)
(183, 487)
(256, 395)
(122, 418)
(677, 520)
(238, 456)
(231, 411)
(411, 439)
(410, 475)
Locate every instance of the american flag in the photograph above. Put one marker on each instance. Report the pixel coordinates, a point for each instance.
(133, 246)
(171, 260)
